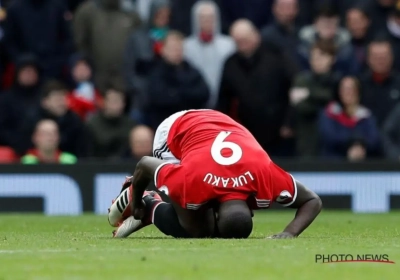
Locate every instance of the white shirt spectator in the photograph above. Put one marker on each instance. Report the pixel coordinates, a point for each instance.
(207, 49)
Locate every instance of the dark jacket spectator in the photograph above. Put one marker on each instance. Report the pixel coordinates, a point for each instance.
(207, 49)
(379, 10)
(54, 106)
(311, 91)
(40, 27)
(392, 33)
(14, 105)
(380, 85)
(181, 15)
(326, 27)
(74, 4)
(84, 99)
(3, 55)
(254, 87)
(308, 9)
(143, 47)
(391, 135)
(174, 84)
(347, 129)
(358, 23)
(101, 30)
(109, 128)
(283, 33)
(259, 12)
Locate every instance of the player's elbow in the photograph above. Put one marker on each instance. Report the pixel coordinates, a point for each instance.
(142, 162)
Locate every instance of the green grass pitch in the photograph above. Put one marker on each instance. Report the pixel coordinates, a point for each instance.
(38, 247)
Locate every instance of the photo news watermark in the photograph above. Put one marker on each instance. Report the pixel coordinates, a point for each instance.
(353, 258)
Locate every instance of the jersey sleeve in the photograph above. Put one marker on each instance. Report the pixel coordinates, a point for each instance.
(170, 179)
(284, 187)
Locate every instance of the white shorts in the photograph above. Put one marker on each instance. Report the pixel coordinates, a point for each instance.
(160, 146)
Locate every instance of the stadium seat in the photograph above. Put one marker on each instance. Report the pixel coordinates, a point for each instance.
(7, 155)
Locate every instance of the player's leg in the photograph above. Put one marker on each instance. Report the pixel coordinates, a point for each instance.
(234, 219)
(173, 220)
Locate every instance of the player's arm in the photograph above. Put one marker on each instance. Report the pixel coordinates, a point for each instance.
(308, 205)
(144, 173)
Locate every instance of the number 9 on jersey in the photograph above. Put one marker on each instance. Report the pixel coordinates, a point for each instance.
(219, 144)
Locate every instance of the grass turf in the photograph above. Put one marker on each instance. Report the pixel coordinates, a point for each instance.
(38, 247)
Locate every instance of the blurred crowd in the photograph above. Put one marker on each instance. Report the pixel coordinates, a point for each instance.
(85, 79)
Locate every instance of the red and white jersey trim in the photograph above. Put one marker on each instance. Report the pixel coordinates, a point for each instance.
(295, 193)
(157, 171)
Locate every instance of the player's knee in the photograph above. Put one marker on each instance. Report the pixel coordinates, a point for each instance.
(234, 220)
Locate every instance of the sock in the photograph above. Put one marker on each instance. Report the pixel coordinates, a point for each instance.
(166, 220)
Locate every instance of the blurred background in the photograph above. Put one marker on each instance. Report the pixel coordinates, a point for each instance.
(91, 80)
(94, 79)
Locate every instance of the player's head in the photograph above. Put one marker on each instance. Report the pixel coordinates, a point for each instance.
(234, 219)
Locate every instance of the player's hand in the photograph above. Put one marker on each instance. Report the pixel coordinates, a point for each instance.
(282, 235)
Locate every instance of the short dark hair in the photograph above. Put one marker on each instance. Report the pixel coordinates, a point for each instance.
(360, 9)
(380, 39)
(327, 11)
(175, 34)
(116, 90)
(52, 86)
(234, 220)
(327, 47)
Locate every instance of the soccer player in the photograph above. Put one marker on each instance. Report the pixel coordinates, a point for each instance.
(205, 162)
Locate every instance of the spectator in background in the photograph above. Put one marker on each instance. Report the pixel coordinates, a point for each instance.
(142, 50)
(181, 15)
(54, 106)
(109, 128)
(379, 11)
(259, 12)
(3, 16)
(311, 91)
(391, 135)
(326, 27)
(206, 49)
(140, 142)
(393, 33)
(283, 33)
(358, 24)
(46, 140)
(101, 30)
(14, 105)
(174, 85)
(40, 27)
(257, 80)
(380, 85)
(84, 99)
(348, 129)
(143, 8)
(74, 4)
(309, 7)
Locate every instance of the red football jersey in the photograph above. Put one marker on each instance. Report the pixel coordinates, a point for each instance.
(212, 157)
